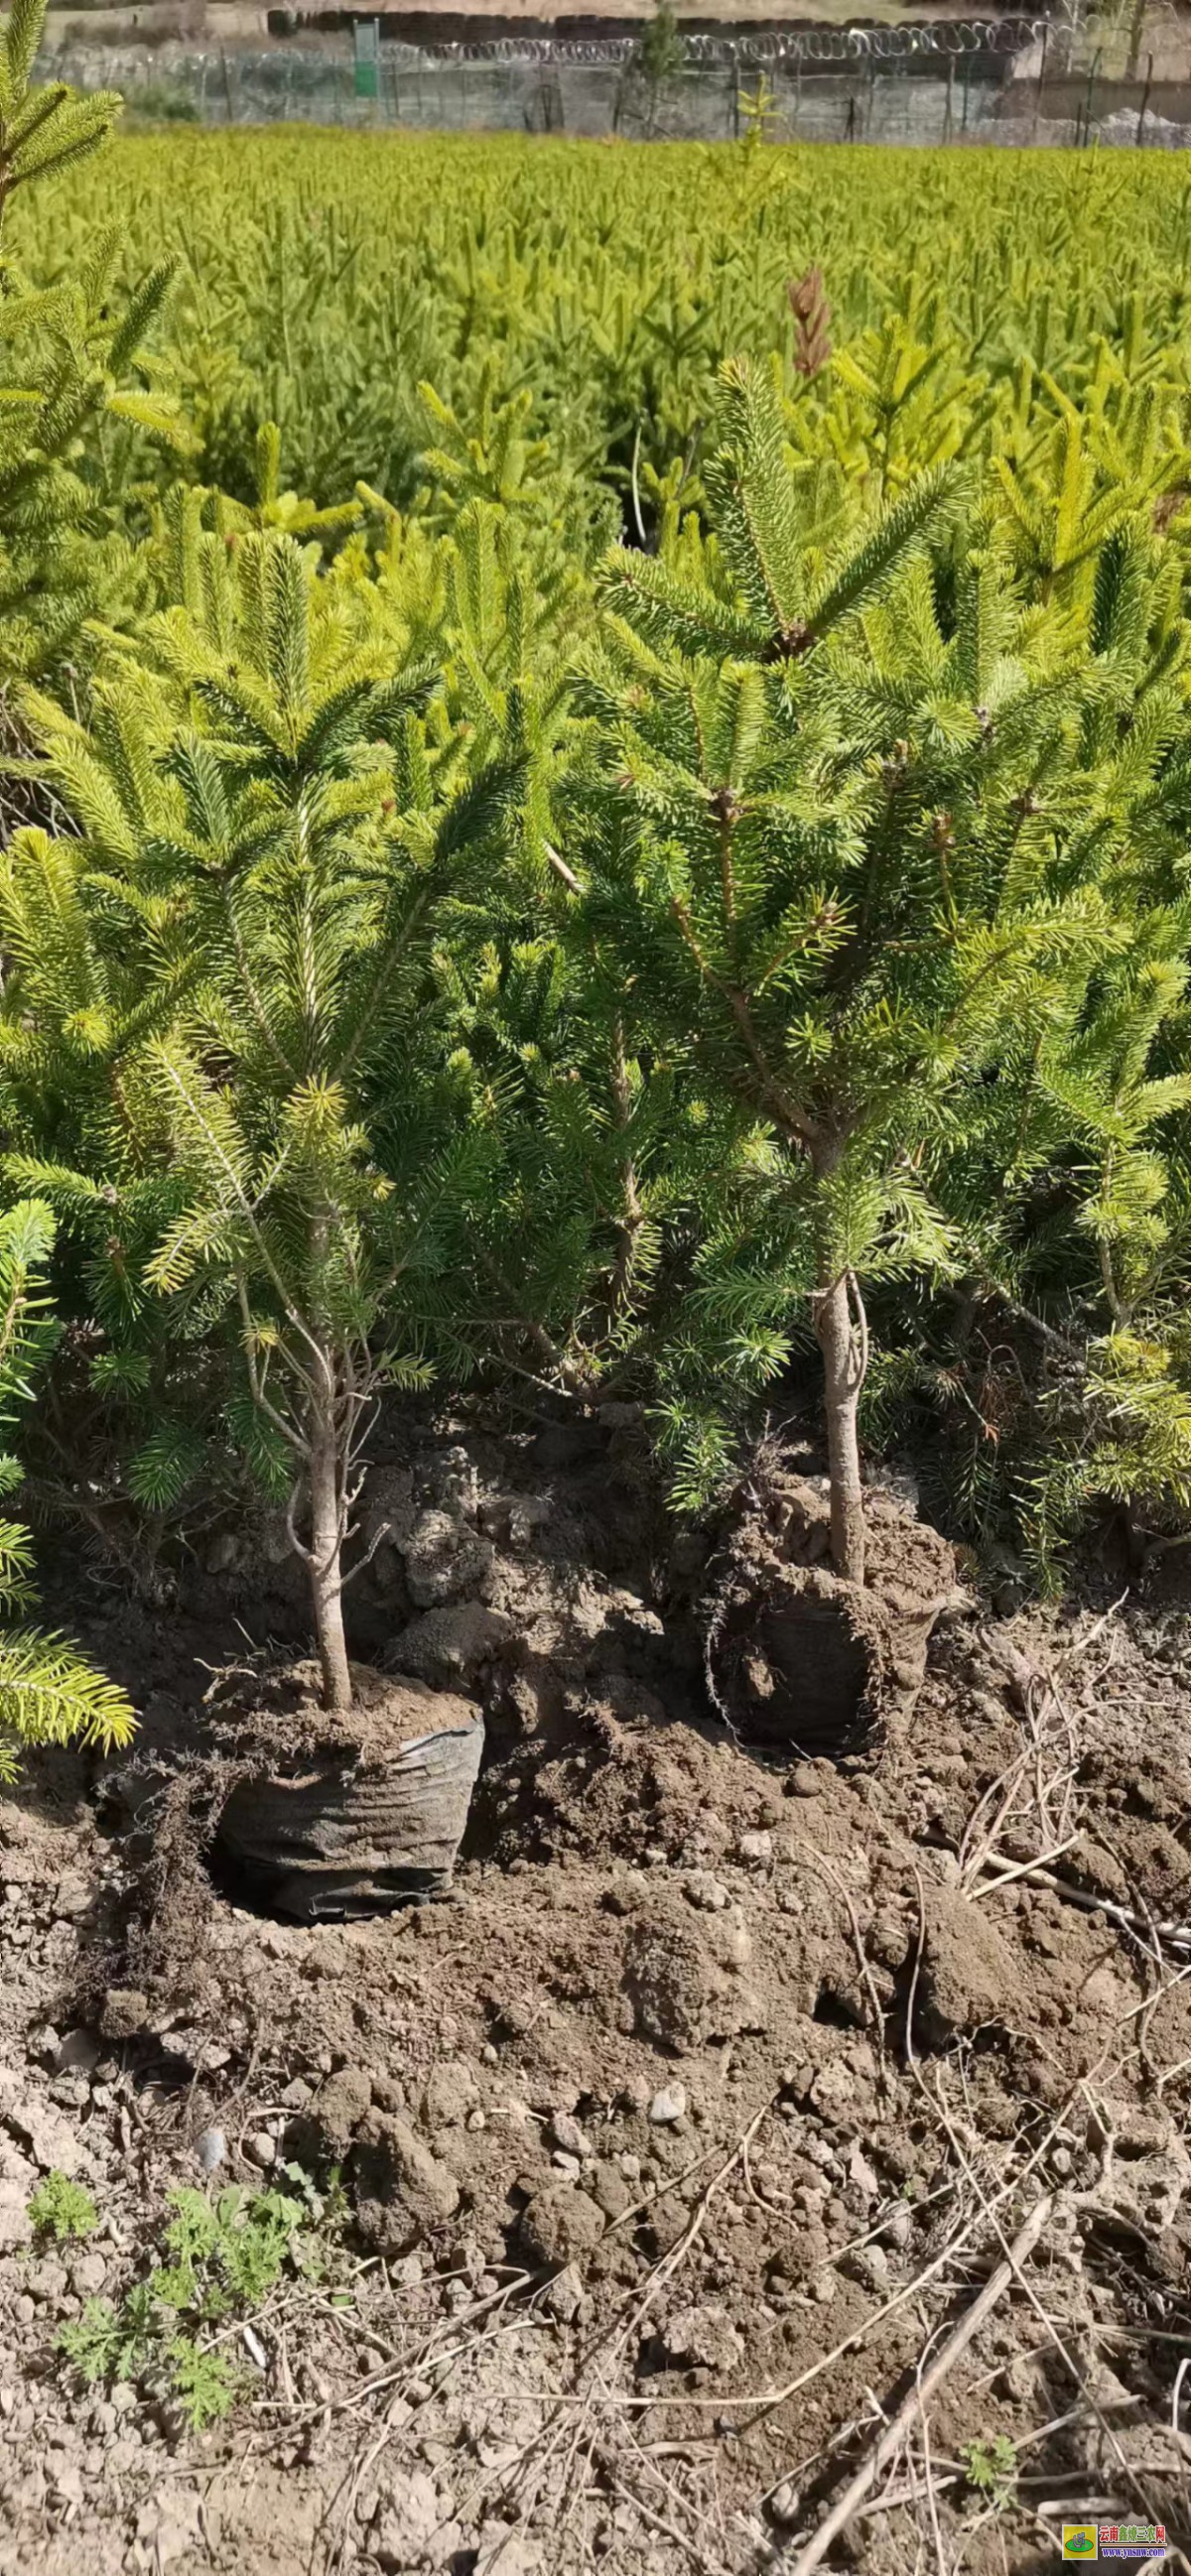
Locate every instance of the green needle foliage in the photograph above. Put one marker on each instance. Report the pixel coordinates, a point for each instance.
(272, 842)
(66, 352)
(49, 1694)
(847, 856)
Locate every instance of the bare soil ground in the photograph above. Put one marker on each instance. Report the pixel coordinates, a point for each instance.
(678, 2140)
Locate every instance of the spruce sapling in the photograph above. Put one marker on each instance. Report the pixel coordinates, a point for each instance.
(824, 844)
(267, 823)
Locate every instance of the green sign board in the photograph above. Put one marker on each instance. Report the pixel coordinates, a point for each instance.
(366, 34)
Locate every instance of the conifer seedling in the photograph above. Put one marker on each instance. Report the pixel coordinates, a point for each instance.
(269, 838)
(841, 762)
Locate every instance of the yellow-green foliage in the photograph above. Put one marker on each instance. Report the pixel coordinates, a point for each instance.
(324, 277)
(454, 370)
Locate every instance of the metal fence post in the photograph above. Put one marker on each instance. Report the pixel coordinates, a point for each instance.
(1145, 95)
(1087, 105)
(1041, 76)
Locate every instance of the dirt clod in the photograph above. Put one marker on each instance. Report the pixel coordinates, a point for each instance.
(403, 2190)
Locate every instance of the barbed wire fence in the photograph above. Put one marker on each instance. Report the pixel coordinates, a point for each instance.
(1009, 80)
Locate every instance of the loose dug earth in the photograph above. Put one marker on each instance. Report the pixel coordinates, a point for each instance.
(675, 2138)
(797, 1657)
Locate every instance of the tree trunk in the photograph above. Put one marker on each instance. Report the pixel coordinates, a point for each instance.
(326, 1566)
(842, 1379)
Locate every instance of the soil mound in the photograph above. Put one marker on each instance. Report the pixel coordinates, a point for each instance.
(797, 1657)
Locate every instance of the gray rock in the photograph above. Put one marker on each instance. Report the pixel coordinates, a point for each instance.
(16, 2226)
(703, 2337)
(261, 2150)
(705, 1891)
(563, 2296)
(50, 2139)
(569, 2135)
(668, 2105)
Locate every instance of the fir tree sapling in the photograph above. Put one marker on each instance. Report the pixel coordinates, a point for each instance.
(659, 55)
(826, 842)
(65, 354)
(266, 819)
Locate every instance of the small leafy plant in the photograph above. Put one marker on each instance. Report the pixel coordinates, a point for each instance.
(63, 2209)
(223, 2258)
(991, 2466)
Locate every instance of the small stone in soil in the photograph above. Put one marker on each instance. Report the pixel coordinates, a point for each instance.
(668, 2105)
(261, 2149)
(78, 2053)
(567, 2133)
(705, 1891)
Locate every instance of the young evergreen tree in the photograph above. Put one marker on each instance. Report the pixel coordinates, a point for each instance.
(49, 1693)
(658, 55)
(66, 352)
(835, 842)
(274, 840)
